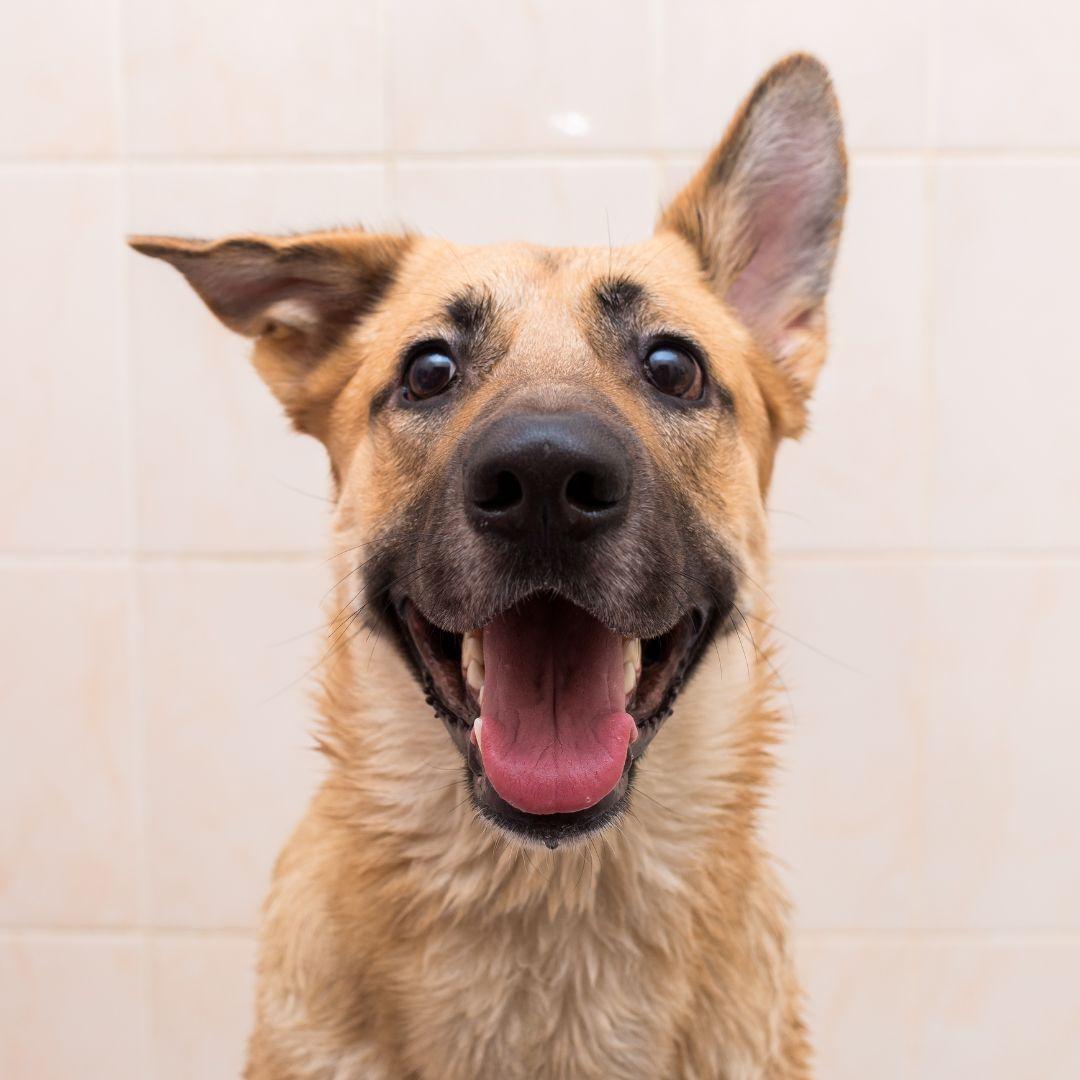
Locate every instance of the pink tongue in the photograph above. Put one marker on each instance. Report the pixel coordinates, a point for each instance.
(555, 727)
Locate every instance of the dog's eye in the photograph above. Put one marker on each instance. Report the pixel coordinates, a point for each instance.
(673, 371)
(429, 373)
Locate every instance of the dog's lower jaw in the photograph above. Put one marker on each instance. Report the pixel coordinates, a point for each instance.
(403, 935)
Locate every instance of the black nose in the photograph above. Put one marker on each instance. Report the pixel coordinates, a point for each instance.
(542, 477)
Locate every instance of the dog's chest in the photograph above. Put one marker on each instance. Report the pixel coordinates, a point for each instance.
(573, 998)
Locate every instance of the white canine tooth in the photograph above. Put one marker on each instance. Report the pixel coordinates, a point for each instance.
(631, 652)
(477, 727)
(474, 676)
(472, 648)
(629, 678)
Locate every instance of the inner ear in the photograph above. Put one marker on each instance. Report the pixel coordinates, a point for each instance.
(765, 211)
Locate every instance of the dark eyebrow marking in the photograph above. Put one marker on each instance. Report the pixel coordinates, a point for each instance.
(623, 307)
(470, 326)
(472, 314)
(621, 302)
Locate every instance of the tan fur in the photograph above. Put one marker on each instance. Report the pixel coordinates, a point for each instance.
(405, 938)
(397, 921)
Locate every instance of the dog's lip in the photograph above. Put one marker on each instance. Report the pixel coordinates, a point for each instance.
(401, 600)
(448, 693)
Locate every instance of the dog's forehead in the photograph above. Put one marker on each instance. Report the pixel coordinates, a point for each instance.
(524, 280)
(550, 311)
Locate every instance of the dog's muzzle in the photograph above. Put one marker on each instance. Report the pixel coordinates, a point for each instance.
(547, 601)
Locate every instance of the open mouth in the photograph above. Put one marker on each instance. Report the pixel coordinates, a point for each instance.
(551, 708)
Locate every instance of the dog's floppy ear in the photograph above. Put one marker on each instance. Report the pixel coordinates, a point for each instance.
(297, 295)
(764, 212)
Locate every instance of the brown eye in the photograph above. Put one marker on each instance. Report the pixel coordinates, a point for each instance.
(673, 371)
(429, 373)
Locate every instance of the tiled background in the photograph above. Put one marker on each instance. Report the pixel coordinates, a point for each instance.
(161, 554)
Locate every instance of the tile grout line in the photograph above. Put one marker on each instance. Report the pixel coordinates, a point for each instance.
(388, 157)
(552, 156)
(930, 238)
(929, 556)
(923, 703)
(847, 937)
(136, 689)
(657, 156)
(92, 561)
(938, 938)
(136, 934)
(118, 560)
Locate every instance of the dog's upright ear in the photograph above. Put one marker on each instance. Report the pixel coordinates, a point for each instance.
(764, 213)
(298, 296)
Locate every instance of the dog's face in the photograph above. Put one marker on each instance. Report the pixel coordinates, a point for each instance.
(552, 464)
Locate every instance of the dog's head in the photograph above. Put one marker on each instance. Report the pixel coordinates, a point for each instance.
(553, 463)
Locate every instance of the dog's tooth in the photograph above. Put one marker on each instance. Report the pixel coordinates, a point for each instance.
(472, 648)
(474, 676)
(631, 652)
(629, 678)
(477, 727)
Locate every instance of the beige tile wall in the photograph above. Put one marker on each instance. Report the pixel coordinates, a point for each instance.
(160, 530)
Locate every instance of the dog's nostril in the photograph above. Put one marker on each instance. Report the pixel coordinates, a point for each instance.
(546, 478)
(589, 492)
(502, 492)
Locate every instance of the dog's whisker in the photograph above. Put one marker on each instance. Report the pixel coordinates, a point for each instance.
(306, 494)
(667, 809)
(805, 644)
(442, 768)
(441, 788)
(338, 640)
(745, 574)
(768, 662)
(356, 612)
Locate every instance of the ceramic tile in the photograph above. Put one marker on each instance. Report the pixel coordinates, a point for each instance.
(1007, 82)
(998, 1011)
(556, 204)
(69, 837)
(847, 793)
(202, 1001)
(229, 80)
(230, 763)
(862, 1008)
(491, 76)
(1002, 801)
(57, 63)
(63, 413)
(1007, 468)
(712, 54)
(71, 1008)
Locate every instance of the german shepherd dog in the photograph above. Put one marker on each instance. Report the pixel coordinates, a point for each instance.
(535, 852)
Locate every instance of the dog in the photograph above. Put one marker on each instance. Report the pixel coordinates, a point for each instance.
(535, 851)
